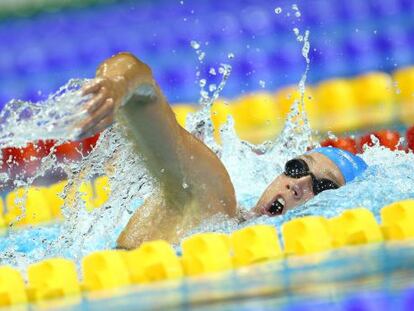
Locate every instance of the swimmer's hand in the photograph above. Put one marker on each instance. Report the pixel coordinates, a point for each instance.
(106, 95)
(116, 79)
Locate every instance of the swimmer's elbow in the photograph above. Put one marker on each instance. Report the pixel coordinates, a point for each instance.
(126, 64)
(124, 242)
(128, 56)
(134, 60)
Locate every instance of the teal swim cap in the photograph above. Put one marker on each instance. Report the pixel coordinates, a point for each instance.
(349, 164)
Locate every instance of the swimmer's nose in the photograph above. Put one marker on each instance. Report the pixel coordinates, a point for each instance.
(296, 190)
(299, 187)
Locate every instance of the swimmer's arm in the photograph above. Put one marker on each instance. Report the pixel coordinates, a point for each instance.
(180, 163)
(184, 167)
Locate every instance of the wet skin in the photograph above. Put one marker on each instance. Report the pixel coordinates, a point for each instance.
(124, 89)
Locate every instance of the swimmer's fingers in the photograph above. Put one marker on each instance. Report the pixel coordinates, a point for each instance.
(107, 108)
(97, 101)
(99, 127)
(89, 127)
(99, 113)
(92, 87)
(102, 125)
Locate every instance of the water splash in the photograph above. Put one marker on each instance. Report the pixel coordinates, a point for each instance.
(22, 122)
(81, 232)
(199, 123)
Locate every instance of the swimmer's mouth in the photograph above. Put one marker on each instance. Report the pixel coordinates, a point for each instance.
(276, 208)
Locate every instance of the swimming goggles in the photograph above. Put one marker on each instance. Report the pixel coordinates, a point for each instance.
(298, 168)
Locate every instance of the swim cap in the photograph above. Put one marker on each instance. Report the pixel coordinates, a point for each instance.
(349, 164)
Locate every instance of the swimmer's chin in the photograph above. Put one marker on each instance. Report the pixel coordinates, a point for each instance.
(247, 215)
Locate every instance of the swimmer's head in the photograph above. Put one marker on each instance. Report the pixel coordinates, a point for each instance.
(304, 177)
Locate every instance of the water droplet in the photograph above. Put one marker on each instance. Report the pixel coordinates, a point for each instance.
(296, 31)
(278, 10)
(212, 87)
(204, 94)
(185, 185)
(195, 45)
(212, 71)
(296, 9)
(201, 56)
(230, 56)
(396, 87)
(262, 83)
(202, 82)
(331, 135)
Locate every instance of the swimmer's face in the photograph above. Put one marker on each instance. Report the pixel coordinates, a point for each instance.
(285, 192)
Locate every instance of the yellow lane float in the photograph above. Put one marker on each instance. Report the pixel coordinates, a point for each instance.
(355, 226)
(104, 270)
(27, 206)
(12, 287)
(206, 253)
(255, 244)
(153, 261)
(52, 279)
(374, 94)
(404, 90)
(306, 235)
(398, 220)
(337, 105)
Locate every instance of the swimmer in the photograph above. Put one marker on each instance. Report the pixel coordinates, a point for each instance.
(193, 183)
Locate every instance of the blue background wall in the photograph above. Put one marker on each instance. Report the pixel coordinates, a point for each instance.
(40, 53)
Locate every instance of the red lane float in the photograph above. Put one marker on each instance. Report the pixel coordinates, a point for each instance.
(88, 144)
(27, 159)
(44, 147)
(386, 138)
(17, 159)
(410, 138)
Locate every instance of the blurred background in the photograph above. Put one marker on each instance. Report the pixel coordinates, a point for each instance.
(44, 43)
